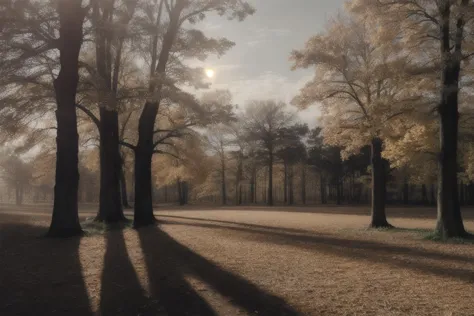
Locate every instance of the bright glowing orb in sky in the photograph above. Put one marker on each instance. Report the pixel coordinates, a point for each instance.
(209, 72)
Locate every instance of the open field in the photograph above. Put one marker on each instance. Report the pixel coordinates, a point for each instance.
(236, 261)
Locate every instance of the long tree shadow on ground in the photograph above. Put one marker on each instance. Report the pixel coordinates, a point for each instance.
(168, 261)
(308, 235)
(40, 276)
(357, 249)
(415, 212)
(121, 292)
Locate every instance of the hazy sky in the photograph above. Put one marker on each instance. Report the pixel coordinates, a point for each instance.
(258, 67)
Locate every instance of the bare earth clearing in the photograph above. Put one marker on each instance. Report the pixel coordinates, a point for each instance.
(236, 261)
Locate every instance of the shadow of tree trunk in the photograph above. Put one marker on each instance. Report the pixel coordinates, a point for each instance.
(167, 260)
(121, 292)
(40, 276)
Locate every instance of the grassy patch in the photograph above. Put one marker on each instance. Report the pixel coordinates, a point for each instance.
(434, 236)
(92, 227)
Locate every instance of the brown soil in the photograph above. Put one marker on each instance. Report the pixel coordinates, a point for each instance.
(246, 261)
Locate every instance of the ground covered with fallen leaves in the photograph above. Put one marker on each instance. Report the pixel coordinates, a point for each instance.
(236, 261)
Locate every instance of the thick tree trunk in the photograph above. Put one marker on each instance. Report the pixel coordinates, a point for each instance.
(143, 210)
(449, 223)
(65, 219)
(270, 180)
(143, 207)
(110, 203)
(378, 217)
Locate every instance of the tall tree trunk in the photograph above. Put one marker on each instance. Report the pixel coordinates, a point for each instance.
(378, 217)
(143, 207)
(110, 203)
(65, 219)
(449, 222)
(143, 210)
(270, 179)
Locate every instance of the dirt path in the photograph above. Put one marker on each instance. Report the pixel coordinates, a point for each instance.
(236, 262)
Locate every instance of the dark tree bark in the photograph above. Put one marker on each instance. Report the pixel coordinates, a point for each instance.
(110, 203)
(270, 179)
(378, 216)
(143, 210)
(65, 219)
(449, 222)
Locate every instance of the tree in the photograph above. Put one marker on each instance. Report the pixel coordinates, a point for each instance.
(17, 174)
(218, 139)
(65, 220)
(361, 88)
(266, 124)
(106, 83)
(178, 12)
(292, 151)
(442, 24)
